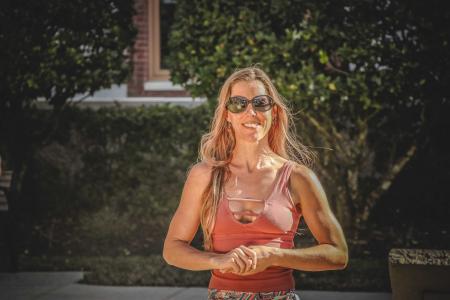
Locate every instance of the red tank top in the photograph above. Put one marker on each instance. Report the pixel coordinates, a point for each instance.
(274, 227)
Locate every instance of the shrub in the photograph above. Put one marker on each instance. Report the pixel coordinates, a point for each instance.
(110, 178)
(153, 271)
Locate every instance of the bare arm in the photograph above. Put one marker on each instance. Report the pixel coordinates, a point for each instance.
(185, 222)
(331, 251)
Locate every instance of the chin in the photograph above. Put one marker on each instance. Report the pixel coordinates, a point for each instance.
(254, 138)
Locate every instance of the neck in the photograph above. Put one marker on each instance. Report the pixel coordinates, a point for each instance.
(252, 156)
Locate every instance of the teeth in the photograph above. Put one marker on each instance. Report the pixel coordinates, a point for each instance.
(251, 125)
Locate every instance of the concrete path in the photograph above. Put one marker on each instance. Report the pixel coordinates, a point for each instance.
(63, 285)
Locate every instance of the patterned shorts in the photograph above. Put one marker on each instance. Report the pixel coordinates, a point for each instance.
(214, 294)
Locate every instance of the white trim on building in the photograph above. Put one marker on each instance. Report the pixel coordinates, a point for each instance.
(117, 95)
(97, 102)
(162, 85)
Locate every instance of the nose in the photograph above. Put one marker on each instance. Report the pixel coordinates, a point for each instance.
(251, 109)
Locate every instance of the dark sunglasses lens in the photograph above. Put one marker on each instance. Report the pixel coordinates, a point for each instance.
(262, 103)
(236, 104)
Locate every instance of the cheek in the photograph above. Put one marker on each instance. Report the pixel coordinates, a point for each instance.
(234, 120)
(268, 121)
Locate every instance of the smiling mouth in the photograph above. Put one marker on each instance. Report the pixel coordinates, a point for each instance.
(251, 125)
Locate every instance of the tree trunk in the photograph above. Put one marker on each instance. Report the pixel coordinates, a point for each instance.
(348, 168)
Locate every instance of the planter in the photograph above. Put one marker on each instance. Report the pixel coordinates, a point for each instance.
(418, 274)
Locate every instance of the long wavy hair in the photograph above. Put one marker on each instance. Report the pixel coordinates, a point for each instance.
(216, 147)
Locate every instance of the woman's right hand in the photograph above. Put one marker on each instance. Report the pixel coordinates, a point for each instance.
(239, 260)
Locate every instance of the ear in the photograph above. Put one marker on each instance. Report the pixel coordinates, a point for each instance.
(274, 111)
(227, 116)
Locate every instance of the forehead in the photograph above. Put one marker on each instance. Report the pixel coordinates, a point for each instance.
(248, 89)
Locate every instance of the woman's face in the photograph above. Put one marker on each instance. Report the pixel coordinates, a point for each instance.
(250, 125)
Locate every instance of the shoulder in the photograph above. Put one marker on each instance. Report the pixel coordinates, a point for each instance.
(303, 180)
(302, 174)
(196, 183)
(200, 173)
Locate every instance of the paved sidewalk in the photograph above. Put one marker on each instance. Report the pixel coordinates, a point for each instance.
(63, 285)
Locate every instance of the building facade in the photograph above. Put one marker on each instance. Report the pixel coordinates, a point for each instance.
(150, 80)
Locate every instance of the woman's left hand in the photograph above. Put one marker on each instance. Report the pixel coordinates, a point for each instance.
(262, 259)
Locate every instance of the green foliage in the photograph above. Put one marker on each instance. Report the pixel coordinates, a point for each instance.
(55, 50)
(369, 79)
(150, 270)
(153, 271)
(100, 195)
(351, 59)
(110, 179)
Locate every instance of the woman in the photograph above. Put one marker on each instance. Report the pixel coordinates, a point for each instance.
(248, 193)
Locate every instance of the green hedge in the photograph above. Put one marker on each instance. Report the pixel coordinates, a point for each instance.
(153, 271)
(99, 196)
(108, 180)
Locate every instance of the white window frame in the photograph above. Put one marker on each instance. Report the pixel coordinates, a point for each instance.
(154, 42)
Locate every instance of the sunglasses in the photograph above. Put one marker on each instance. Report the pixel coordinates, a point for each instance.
(238, 104)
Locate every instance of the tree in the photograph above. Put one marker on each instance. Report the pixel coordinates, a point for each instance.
(367, 78)
(54, 50)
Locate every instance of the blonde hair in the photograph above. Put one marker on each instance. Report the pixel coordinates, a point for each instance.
(216, 147)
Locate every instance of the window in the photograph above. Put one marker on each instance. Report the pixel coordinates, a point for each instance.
(161, 19)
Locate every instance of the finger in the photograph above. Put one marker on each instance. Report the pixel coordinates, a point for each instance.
(234, 265)
(252, 254)
(246, 258)
(239, 262)
(253, 258)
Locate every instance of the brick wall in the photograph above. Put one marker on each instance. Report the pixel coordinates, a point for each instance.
(140, 57)
(140, 50)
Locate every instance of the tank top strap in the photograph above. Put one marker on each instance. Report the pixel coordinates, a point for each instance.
(284, 176)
